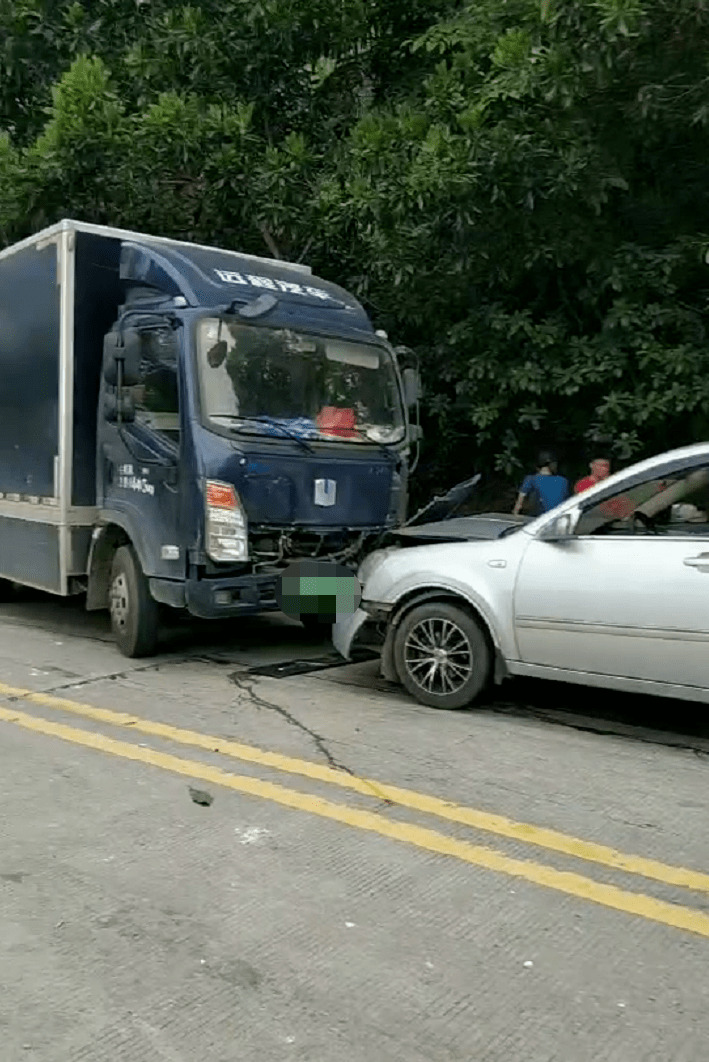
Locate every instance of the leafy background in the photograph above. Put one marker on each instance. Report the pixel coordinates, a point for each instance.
(517, 189)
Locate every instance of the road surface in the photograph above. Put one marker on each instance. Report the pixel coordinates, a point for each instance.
(209, 857)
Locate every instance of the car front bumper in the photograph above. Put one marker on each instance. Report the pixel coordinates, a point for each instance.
(345, 630)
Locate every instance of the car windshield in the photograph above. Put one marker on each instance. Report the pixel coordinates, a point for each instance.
(282, 382)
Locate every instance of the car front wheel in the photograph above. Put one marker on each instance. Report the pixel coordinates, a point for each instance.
(442, 656)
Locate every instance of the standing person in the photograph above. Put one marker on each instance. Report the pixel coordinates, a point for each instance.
(546, 489)
(600, 468)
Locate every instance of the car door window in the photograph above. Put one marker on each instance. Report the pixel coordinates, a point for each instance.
(676, 505)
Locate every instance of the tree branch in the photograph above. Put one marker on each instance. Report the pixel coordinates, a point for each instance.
(306, 248)
(269, 240)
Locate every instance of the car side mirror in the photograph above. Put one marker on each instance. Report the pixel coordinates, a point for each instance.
(412, 387)
(125, 350)
(559, 529)
(415, 433)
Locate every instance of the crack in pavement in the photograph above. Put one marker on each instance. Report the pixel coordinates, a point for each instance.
(114, 676)
(244, 686)
(260, 702)
(111, 677)
(165, 661)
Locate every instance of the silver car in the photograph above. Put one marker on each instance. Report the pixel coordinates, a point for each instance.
(610, 589)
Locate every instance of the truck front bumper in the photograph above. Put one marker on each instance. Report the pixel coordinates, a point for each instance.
(236, 596)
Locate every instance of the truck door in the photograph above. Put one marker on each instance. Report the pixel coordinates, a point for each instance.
(140, 459)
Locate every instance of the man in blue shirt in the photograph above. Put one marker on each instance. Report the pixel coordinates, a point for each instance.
(545, 490)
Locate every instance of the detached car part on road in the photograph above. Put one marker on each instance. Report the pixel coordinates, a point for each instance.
(609, 589)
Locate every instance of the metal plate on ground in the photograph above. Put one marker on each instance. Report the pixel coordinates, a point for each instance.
(289, 668)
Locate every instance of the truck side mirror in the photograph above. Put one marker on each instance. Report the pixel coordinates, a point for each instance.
(412, 386)
(128, 352)
(112, 406)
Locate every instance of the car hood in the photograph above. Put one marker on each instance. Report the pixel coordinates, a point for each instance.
(483, 526)
(426, 554)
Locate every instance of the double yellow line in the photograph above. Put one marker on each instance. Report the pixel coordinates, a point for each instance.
(569, 882)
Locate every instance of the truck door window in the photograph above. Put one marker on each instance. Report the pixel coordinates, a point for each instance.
(156, 397)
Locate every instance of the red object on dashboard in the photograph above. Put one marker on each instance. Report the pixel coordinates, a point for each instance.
(337, 420)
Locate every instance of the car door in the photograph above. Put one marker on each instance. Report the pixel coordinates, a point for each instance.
(627, 593)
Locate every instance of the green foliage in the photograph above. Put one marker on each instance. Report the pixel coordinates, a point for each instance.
(515, 189)
(10, 183)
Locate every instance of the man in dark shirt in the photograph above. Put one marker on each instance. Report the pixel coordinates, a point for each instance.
(545, 490)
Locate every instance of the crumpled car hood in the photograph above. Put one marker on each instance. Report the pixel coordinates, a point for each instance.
(483, 526)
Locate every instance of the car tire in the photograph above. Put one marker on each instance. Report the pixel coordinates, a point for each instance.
(442, 681)
(7, 590)
(134, 612)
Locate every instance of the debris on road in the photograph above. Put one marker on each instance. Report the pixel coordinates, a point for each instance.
(201, 797)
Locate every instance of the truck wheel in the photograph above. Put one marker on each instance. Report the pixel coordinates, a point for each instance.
(134, 613)
(442, 656)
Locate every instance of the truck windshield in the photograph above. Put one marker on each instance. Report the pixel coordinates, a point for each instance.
(281, 382)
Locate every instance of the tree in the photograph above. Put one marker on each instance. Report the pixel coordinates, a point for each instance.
(536, 223)
(515, 189)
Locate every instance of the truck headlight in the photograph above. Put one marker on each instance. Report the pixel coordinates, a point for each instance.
(226, 527)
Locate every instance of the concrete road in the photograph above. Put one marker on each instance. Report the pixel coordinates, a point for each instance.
(372, 880)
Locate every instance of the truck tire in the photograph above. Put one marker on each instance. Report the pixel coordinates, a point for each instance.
(7, 591)
(134, 612)
(442, 656)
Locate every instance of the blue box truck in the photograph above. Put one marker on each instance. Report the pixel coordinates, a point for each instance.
(179, 423)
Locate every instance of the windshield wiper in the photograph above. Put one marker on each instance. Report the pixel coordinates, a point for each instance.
(287, 432)
(382, 446)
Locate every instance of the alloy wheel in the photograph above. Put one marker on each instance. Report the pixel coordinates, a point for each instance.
(438, 656)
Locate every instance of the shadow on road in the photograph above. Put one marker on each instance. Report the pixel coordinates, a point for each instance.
(180, 633)
(657, 720)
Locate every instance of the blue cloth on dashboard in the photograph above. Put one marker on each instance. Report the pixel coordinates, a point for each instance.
(303, 427)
